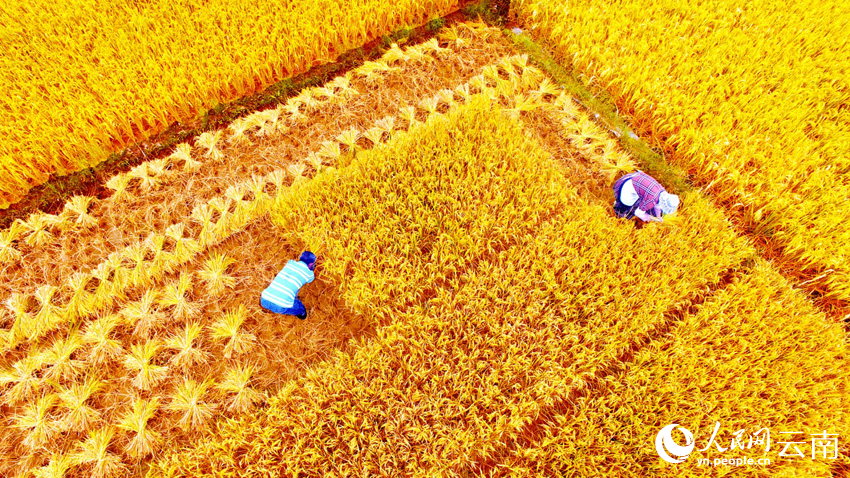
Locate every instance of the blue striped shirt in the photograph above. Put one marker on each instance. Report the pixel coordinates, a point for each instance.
(284, 288)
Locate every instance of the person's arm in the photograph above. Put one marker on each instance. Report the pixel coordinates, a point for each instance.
(643, 216)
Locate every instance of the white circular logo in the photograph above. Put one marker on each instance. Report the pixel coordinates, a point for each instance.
(664, 442)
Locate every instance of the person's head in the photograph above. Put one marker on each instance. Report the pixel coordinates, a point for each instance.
(668, 203)
(308, 258)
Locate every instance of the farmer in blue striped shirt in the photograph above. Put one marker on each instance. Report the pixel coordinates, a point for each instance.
(281, 296)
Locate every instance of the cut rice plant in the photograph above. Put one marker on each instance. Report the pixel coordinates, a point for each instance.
(101, 346)
(94, 454)
(22, 376)
(241, 397)
(214, 273)
(77, 208)
(143, 314)
(8, 238)
(140, 362)
(57, 467)
(189, 354)
(143, 440)
(38, 225)
(36, 421)
(174, 296)
(188, 403)
(209, 141)
(119, 184)
(59, 361)
(228, 327)
(77, 415)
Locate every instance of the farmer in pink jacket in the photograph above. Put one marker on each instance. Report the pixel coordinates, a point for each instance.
(638, 194)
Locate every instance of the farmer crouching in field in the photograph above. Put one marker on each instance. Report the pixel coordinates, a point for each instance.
(281, 296)
(638, 194)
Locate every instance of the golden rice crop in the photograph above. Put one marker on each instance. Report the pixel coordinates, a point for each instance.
(83, 78)
(756, 355)
(497, 289)
(750, 98)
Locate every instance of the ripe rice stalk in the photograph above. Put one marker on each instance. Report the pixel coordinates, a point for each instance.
(374, 134)
(203, 214)
(49, 314)
(139, 360)
(95, 456)
(227, 327)
(143, 440)
(81, 301)
(183, 154)
(188, 353)
(138, 276)
(147, 179)
(408, 113)
(38, 226)
(36, 422)
(188, 402)
(330, 150)
(394, 55)
(163, 262)
(241, 397)
(184, 248)
(214, 273)
(349, 138)
(453, 35)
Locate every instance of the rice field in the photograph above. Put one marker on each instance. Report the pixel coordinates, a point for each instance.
(478, 310)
